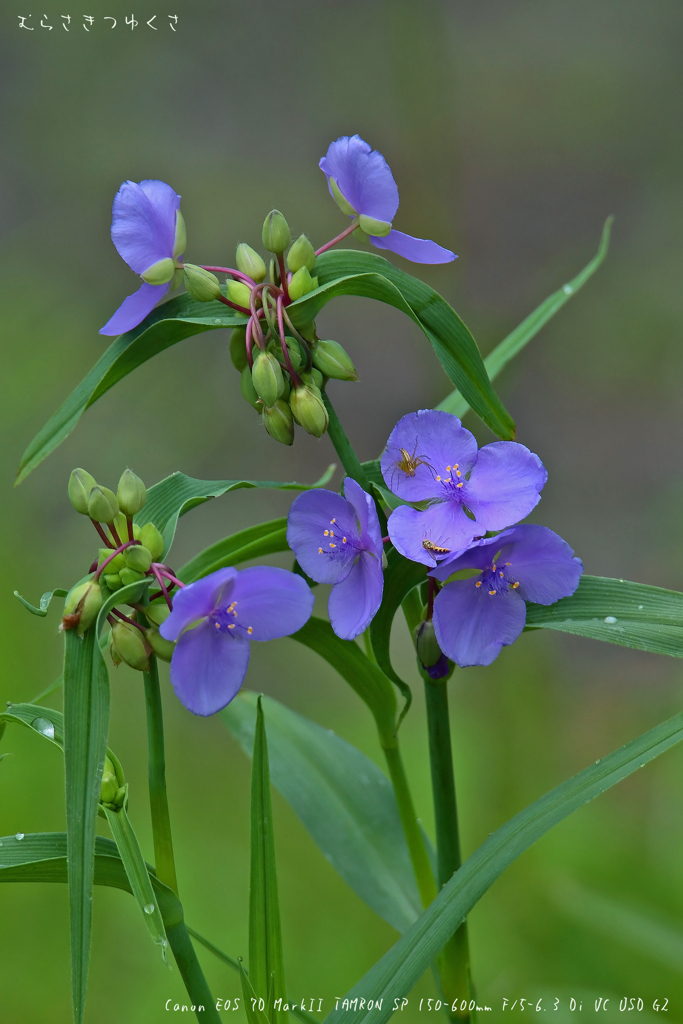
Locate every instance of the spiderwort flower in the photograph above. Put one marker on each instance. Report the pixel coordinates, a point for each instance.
(474, 618)
(431, 457)
(360, 181)
(338, 540)
(213, 622)
(148, 231)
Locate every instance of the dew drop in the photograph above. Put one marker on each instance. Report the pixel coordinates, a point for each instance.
(149, 908)
(44, 727)
(609, 619)
(19, 835)
(0, 842)
(217, 321)
(567, 289)
(640, 607)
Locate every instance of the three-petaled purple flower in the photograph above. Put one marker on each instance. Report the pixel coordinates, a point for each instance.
(431, 457)
(214, 620)
(360, 181)
(338, 540)
(474, 618)
(148, 231)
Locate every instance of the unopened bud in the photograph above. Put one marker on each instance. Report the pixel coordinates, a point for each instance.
(81, 606)
(160, 272)
(120, 524)
(113, 653)
(131, 493)
(343, 203)
(112, 580)
(308, 410)
(301, 284)
(162, 648)
(276, 234)
(238, 348)
(240, 294)
(157, 612)
(314, 379)
(277, 419)
(81, 484)
(180, 240)
(372, 226)
(103, 505)
(138, 557)
(267, 377)
(152, 539)
(129, 645)
(302, 254)
(129, 576)
(249, 262)
(117, 562)
(112, 790)
(248, 390)
(201, 284)
(334, 361)
(295, 356)
(428, 650)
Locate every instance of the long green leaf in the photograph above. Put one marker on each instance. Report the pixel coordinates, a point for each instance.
(44, 601)
(495, 361)
(362, 675)
(266, 961)
(254, 542)
(348, 272)
(400, 968)
(618, 611)
(178, 493)
(344, 801)
(166, 325)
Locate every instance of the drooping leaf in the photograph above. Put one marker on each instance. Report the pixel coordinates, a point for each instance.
(177, 494)
(618, 611)
(254, 542)
(44, 601)
(362, 675)
(495, 361)
(266, 961)
(400, 968)
(344, 801)
(349, 272)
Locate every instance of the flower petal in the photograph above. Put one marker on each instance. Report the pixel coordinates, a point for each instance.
(134, 309)
(505, 484)
(197, 600)
(310, 515)
(353, 602)
(471, 626)
(439, 440)
(366, 510)
(143, 222)
(417, 250)
(542, 562)
(443, 525)
(363, 177)
(208, 667)
(274, 602)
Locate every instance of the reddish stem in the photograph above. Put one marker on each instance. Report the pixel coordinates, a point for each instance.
(257, 330)
(234, 273)
(328, 245)
(296, 379)
(250, 357)
(385, 539)
(124, 618)
(433, 589)
(102, 534)
(119, 549)
(112, 530)
(160, 581)
(131, 535)
(233, 305)
(283, 277)
(169, 575)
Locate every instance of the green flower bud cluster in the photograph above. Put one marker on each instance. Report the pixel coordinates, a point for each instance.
(113, 788)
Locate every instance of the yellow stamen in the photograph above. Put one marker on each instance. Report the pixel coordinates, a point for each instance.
(250, 629)
(478, 583)
(344, 539)
(231, 626)
(458, 473)
(333, 545)
(333, 521)
(492, 593)
(320, 551)
(327, 533)
(448, 469)
(515, 585)
(439, 479)
(501, 574)
(459, 485)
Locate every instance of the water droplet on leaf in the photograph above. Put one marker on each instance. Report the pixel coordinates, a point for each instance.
(19, 835)
(44, 727)
(609, 619)
(149, 908)
(567, 289)
(640, 607)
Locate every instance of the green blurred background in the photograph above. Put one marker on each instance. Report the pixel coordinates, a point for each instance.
(513, 128)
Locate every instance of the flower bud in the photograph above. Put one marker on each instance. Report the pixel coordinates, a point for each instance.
(117, 562)
(276, 234)
(112, 789)
(314, 379)
(138, 557)
(343, 203)
(277, 419)
(160, 272)
(180, 240)
(238, 348)
(201, 284)
(301, 284)
(240, 294)
(428, 650)
(129, 646)
(302, 254)
(151, 538)
(131, 493)
(249, 262)
(267, 378)
(113, 653)
(295, 355)
(157, 612)
(129, 575)
(81, 484)
(372, 226)
(112, 580)
(120, 524)
(162, 648)
(248, 390)
(308, 410)
(81, 606)
(103, 505)
(333, 360)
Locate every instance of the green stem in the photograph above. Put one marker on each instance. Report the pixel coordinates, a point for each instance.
(411, 826)
(161, 822)
(342, 445)
(192, 974)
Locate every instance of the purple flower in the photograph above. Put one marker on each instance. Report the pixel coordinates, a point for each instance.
(360, 181)
(430, 457)
(474, 618)
(148, 231)
(214, 620)
(338, 540)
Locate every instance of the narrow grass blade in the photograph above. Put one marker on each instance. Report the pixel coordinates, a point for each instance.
(254, 542)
